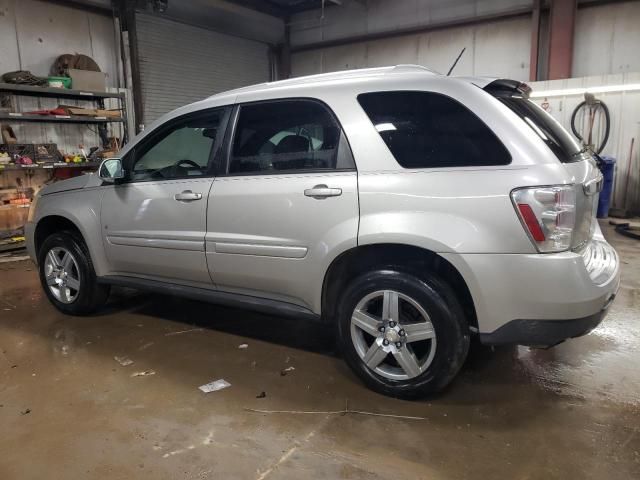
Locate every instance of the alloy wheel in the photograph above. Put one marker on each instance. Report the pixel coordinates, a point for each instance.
(393, 335)
(62, 274)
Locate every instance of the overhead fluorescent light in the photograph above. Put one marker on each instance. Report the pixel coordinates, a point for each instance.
(581, 91)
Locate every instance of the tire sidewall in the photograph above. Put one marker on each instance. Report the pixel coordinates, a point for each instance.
(446, 315)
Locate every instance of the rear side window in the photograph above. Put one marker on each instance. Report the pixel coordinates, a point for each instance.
(286, 136)
(426, 130)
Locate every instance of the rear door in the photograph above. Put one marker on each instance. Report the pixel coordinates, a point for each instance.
(287, 197)
(154, 223)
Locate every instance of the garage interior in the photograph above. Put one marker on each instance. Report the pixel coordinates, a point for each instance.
(116, 395)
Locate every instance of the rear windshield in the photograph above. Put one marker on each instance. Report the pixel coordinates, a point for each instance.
(546, 127)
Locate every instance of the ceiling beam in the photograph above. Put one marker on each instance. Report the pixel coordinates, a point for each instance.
(262, 6)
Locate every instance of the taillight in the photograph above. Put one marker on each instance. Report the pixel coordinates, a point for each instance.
(548, 215)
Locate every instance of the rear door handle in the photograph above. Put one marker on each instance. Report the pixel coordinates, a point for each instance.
(322, 191)
(187, 196)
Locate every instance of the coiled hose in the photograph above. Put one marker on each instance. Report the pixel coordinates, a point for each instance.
(594, 106)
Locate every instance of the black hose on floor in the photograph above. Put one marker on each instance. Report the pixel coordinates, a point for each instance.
(623, 229)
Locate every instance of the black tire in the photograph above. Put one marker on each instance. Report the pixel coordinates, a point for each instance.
(91, 295)
(446, 315)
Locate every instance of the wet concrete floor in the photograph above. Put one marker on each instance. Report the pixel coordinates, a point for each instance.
(69, 410)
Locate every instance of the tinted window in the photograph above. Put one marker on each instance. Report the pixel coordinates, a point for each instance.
(286, 135)
(183, 150)
(546, 127)
(425, 130)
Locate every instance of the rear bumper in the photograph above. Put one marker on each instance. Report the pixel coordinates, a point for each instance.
(543, 333)
(540, 299)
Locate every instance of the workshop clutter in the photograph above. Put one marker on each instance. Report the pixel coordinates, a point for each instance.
(53, 126)
(68, 71)
(62, 111)
(16, 196)
(47, 154)
(84, 107)
(32, 154)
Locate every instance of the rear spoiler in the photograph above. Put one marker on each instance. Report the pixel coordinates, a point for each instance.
(508, 88)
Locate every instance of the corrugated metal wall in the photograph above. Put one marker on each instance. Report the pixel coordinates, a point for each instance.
(180, 64)
(494, 48)
(606, 38)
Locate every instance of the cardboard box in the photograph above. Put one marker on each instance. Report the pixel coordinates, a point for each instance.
(85, 80)
(107, 113)
(72, 110)
(13, 217)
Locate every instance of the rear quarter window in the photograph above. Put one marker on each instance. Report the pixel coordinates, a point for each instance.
(428, 130)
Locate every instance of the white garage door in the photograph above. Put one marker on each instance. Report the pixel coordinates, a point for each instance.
(180, 64)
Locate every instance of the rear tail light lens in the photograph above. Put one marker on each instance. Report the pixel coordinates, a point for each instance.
(548, 215)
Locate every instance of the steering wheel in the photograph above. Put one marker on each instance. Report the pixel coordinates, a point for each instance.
(183, 163)
(171, 171)
(187, 162)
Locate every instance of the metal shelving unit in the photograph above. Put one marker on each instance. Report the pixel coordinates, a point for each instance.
(31, 117)
(30, 90)
(48, 166)
(97, 97)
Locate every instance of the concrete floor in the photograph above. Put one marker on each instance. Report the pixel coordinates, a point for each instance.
(69, 410)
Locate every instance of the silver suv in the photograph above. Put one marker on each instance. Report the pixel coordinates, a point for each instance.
(407, 209)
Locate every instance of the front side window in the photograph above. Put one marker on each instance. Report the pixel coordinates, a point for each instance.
(285, 136)
(427, 130)
(183, 150)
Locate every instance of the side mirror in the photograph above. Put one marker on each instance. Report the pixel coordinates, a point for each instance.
(110, 170)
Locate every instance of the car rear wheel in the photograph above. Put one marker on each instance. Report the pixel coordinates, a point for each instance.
(404, 336)
(67, 275)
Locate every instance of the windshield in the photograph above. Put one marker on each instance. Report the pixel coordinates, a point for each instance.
(565, 147)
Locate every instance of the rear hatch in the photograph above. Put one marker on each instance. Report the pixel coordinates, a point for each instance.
(579, 164)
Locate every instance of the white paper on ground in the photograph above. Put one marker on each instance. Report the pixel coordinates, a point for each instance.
(124, 361)
(214, 386)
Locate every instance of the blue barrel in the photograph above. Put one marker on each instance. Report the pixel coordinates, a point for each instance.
(608, 167)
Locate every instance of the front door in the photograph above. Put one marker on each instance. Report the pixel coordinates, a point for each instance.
(154, 223)
(287, 199)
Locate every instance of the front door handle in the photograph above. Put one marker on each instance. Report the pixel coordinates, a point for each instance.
(322, 191)
(187, 196)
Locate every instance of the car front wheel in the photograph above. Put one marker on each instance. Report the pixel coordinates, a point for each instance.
(67, 275)
(404, 336)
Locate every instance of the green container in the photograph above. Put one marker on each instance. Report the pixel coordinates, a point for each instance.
(56, 81)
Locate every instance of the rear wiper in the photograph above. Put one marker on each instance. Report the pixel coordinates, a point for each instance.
(580, 152)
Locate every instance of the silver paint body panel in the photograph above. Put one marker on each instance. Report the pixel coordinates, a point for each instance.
(260, 235)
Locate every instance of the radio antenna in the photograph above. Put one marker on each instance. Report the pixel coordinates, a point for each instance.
(456, 62)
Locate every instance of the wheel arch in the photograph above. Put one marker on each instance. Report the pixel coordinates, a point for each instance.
(50, 224)
(55, 221)
(407, 258)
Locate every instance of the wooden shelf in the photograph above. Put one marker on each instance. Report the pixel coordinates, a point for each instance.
(30, 117)
(30, 90)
